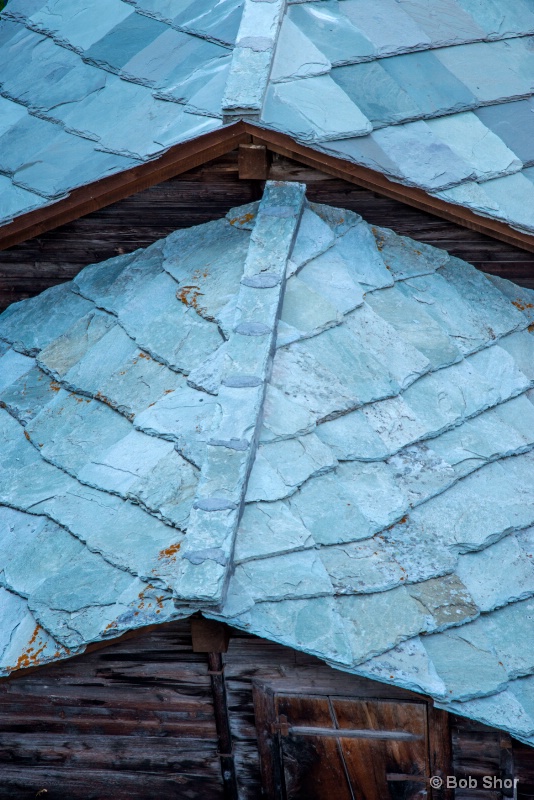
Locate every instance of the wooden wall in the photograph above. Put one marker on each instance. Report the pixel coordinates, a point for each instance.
(135, 720)
(207, 193)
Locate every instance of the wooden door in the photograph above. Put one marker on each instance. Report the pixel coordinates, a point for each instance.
(319, 747)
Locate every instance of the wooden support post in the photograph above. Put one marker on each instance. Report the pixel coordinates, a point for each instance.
(212, 637)
(253, 162)
(440, 742)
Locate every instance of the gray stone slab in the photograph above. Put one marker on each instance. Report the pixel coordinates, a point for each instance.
(129, 36)
(390, 26)
(503, 708)
(65, 351)
(379, 96)
(331, 31)
(420, 472)
(377, 622)
(25, 398)
(357, 247)
(313, 109)
(520, 297)
(281, 467)
(219, 22)
(295, 55)
(407, 664)
(75, 24)
(498, 19)
(508, 629)
(14, 200)
(338, 219)
(419, 549)
(243, 217)
(30, 326)
(476, 144)
(490, 586)
(512, 195)
(415, 325)
(330, 276)
(406, 258)
(437, 165)
(472, 64)
(445, 21)
(510, 122)
(304, 312)
(314, 237)
(364, 151)
(447, 599)
(501, 369)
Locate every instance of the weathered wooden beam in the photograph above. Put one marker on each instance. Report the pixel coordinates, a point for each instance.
(209, 636)
(440, 746)
(253, 162)
(222, 723)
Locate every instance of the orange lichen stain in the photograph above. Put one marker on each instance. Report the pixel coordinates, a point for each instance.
(169, 552)
(27, 435)
(30, 655)
(248, 217)
(159, 601)
(168, 391)
(106, 400)
(188, 295)
(54, 385)
(110, 625)
(522, 306)
(144, 355)
(531, 328)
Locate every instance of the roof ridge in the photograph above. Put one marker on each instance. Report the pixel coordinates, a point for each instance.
(244, 364)
(252, 59)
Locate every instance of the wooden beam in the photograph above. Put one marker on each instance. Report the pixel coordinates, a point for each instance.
(81, 201)
(253, 162)
(370, 179)
(209, 636)
(222, 723)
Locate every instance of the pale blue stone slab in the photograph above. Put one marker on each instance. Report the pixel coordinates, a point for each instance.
(220, 21)
(417, 328)
(520, 297)
(503, 708)
(420, 472)
(476, 144)
(444, 21)
(509, 630)
(13, 366)
(511, 123)
(489, 584)
(361, 568)
(269, 529)
(520, 346)
(513, 196)
(474, 65)
(380, 621)
(331, 276)
(117, 372)
(29, 324)
(338, 219)
(387, 25)
(376, 93)
(285, 577)
(331, 31)
(419, 549)
(15, 201)
(499, 19)
(281, 467)
(379, 339)
(352, 437)
(466, 324)
(431, 86)
(124, 41)
(207, 99)
(296, 56)
(395, 422)
(313, 238)
(304, 312)
(437, 165)
(365, 151)
(21, 9)
(407, 664)
(313, 109)
(19, 141)
(79, 25)
(406, 258)
(476, 289)
(10, 114)
(358, 248)
(500, 368)
(468, 669)
(25, 398)
(65, 351)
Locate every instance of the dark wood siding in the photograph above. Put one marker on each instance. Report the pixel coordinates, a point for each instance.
(133, 720)
(207, 193)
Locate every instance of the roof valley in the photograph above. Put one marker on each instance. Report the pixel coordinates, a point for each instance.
(242, 366)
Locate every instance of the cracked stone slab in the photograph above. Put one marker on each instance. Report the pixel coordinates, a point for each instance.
(268, 529)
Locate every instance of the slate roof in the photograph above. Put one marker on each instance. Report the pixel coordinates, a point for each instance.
(436, 94)
(313, 429)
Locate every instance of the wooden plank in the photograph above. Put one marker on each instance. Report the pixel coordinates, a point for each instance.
(253, 162)
(440, 747)
(209, 636)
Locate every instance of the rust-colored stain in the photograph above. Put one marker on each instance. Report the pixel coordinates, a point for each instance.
(30, 655)
(54, 385)
(531, 328)
(169, 552)
(188, 295)
(168, 391)
(522, 306)
(106, 400)
(110, 625)
(144, 355)
(27, 435)
(248, 217)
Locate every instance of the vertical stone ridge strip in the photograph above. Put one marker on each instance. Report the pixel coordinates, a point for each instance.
(246, 360)
(252, 59)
